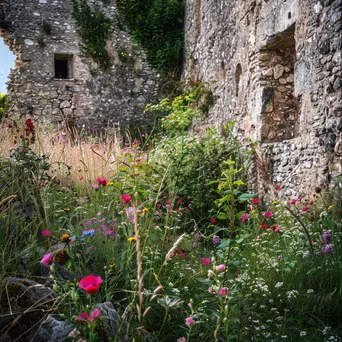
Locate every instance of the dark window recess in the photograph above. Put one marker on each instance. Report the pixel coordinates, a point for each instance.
(63, 66)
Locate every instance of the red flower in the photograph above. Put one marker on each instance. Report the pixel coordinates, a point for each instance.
(212, 220)
(126, 198)
(293, 201)
(255, 201)
(277, 187)
(102, 181)
(90, 284)
(305, 208)
(181, 253)
(264, 226)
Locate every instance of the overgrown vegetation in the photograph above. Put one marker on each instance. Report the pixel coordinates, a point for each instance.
(163, 227)
(4, 104)
(158, 26)
(94, 28)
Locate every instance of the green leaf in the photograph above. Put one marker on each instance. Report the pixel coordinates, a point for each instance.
(238, 182)
(222, 216)
(246, 196)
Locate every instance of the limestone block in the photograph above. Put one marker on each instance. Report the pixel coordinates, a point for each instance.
(282, 81)
(65, 104)
(268, 72)
(290, 78)
(278, 71)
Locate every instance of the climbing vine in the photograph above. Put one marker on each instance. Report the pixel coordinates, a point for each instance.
(157, 25)
(94, 28)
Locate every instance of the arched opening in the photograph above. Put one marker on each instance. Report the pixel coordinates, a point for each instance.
(7, 59)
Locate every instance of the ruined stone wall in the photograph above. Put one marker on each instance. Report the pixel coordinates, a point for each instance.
(38, 32)
(274, 67)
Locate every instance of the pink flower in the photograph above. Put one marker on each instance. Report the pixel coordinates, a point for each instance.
(268, 214)
(95, 186)
(90, 284)
(211, 274)
(189, 321)
(126, 198)
(210, 289)
(255, 201)
(220, 268)
(181, 339)
(276, 229)
(102, 181)
(212, 220)
(244, 217)
(83, 317)
(205, 261)
(47, 259)
(46, 232)
(223, 291)
(168, 202)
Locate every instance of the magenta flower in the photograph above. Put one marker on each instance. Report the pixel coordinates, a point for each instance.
(244, 217)
(126, 198)
(223, 291)
(46, 232)
(83, 317)
(305, 208)
(268, 214)
(189, 321)
(220, 268)
(47, 259)
(276, 228)
(212, 220)
(102, 181)
(293, 201)
(205, 261)
(90, 284)
(255, 201)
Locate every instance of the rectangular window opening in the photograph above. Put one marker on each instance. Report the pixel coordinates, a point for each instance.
(63, 66)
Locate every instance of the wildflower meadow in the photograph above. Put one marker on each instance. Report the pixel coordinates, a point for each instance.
(161, 225)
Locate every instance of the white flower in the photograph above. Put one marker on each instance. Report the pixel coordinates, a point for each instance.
(278, 285)
(310, 291)
(302, 333)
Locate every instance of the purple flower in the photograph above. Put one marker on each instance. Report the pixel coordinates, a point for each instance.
(216, 240)
(326, 236)
(327, 249)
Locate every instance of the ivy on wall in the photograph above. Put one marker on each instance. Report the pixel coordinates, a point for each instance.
(158, 26)
(94, 28)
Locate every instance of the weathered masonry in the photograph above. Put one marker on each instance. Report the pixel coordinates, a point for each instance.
(275, 68)
(54, 81)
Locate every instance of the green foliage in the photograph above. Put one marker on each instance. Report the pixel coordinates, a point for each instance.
(4, 104)
(158, 26)
(94, 28)
(179, 112)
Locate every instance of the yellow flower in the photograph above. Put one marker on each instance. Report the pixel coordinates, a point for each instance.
(253, 211)
(66, 209)
(144, 211)
(330, 207)
(111, 264)
(275, 202)
(132, 238)
(110, 184)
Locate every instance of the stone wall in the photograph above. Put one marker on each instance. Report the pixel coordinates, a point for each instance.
(274, 67)
(42, 33)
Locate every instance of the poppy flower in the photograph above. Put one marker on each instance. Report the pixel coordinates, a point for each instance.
(83, 317)
(90, 284)
(264, 226)
(126, 198)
